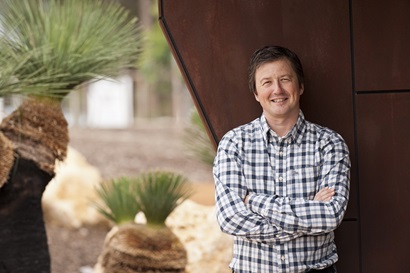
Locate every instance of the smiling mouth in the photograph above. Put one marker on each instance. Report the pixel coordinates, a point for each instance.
(279, 100)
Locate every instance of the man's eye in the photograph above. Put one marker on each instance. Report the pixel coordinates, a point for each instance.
(285, 79)
(266, 83)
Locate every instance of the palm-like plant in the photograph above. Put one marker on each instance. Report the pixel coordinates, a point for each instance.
(152, 247)
(54, 45)
(47, 48)
(119, 202)
(168, 189)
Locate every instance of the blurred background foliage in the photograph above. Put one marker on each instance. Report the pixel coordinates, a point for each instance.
(117, 200)
(57, 45)
(158, 88)
(197, 140)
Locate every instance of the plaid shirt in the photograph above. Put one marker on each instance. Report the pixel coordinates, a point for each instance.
(281, 228)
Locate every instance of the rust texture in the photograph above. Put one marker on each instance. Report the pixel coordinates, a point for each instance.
(357, 83)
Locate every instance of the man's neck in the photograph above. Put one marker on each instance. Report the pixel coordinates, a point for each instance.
(282, 126)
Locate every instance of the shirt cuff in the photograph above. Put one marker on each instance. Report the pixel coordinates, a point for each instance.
(256, 203)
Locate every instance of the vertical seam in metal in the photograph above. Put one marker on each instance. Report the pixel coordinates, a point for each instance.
(354, 94)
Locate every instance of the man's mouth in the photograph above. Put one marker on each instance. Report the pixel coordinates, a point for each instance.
(279, 100)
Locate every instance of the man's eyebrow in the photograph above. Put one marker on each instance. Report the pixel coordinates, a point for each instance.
(287, 75)
(281, 76)
(265, 78)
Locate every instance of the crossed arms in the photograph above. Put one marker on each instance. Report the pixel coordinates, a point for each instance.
(277, 219)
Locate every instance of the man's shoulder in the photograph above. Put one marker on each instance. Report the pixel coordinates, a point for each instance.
(248, 128)
(245, 132)
(322, 132)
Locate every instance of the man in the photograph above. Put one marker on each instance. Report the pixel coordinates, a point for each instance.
(282, 183)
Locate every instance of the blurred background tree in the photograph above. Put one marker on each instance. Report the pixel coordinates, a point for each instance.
(158, 90)
(47, 49)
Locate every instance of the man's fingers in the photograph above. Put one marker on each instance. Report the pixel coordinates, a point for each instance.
(325, 194)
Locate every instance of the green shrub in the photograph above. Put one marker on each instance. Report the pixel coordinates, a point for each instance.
(49, 47)
(118, 198)
(197, 140)
(159, 193)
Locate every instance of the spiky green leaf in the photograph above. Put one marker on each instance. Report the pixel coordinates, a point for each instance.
(159, 193)
(117, 200)
(49, 47)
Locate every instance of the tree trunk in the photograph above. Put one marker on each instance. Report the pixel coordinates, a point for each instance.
(23, 239)
(39, 136)
(7, 158)
(38, 130)
(135, 248)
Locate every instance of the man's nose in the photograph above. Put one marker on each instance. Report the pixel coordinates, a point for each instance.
(277, 87)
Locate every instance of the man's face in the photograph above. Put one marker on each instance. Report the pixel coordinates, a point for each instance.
(278, 90)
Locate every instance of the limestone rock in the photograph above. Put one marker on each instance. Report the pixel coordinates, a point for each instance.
(67, 198)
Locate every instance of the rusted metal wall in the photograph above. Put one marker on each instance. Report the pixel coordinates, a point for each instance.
(357, 61)
(381, 43)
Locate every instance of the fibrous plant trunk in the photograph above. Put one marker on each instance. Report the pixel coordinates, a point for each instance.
(37, 135)
(38, 129)
(23, 240)
(136, 248)
(7, 158)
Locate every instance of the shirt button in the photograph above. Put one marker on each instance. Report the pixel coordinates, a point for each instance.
(280, 153)
(280, 178)
(282, 257)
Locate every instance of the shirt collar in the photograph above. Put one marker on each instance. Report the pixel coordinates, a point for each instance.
(293, 136)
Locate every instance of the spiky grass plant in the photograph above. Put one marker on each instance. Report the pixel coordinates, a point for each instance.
(118, 201)
(152, 247)
(159, 193)
(47, 47)
(197, 140)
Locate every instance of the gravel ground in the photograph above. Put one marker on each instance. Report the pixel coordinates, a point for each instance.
(75, 250)
(116, 153)
(128, 152)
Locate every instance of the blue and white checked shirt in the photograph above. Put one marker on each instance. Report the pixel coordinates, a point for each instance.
(281, 228)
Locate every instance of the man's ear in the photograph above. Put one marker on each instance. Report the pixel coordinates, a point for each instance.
(302, 89)
(256, 96)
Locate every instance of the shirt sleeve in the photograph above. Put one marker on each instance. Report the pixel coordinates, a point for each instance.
(233, 216)
(308, 216)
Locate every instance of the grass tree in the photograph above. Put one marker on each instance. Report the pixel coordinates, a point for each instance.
(47, 48)
(197, 139)
(150, 247)
(118, 202)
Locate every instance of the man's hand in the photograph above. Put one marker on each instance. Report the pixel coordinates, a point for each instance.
(246, 198)
(325, 194)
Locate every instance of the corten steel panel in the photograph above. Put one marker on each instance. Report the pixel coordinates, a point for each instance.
(347, 242)
(212, 41)
(383, 122)
(381, 44)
